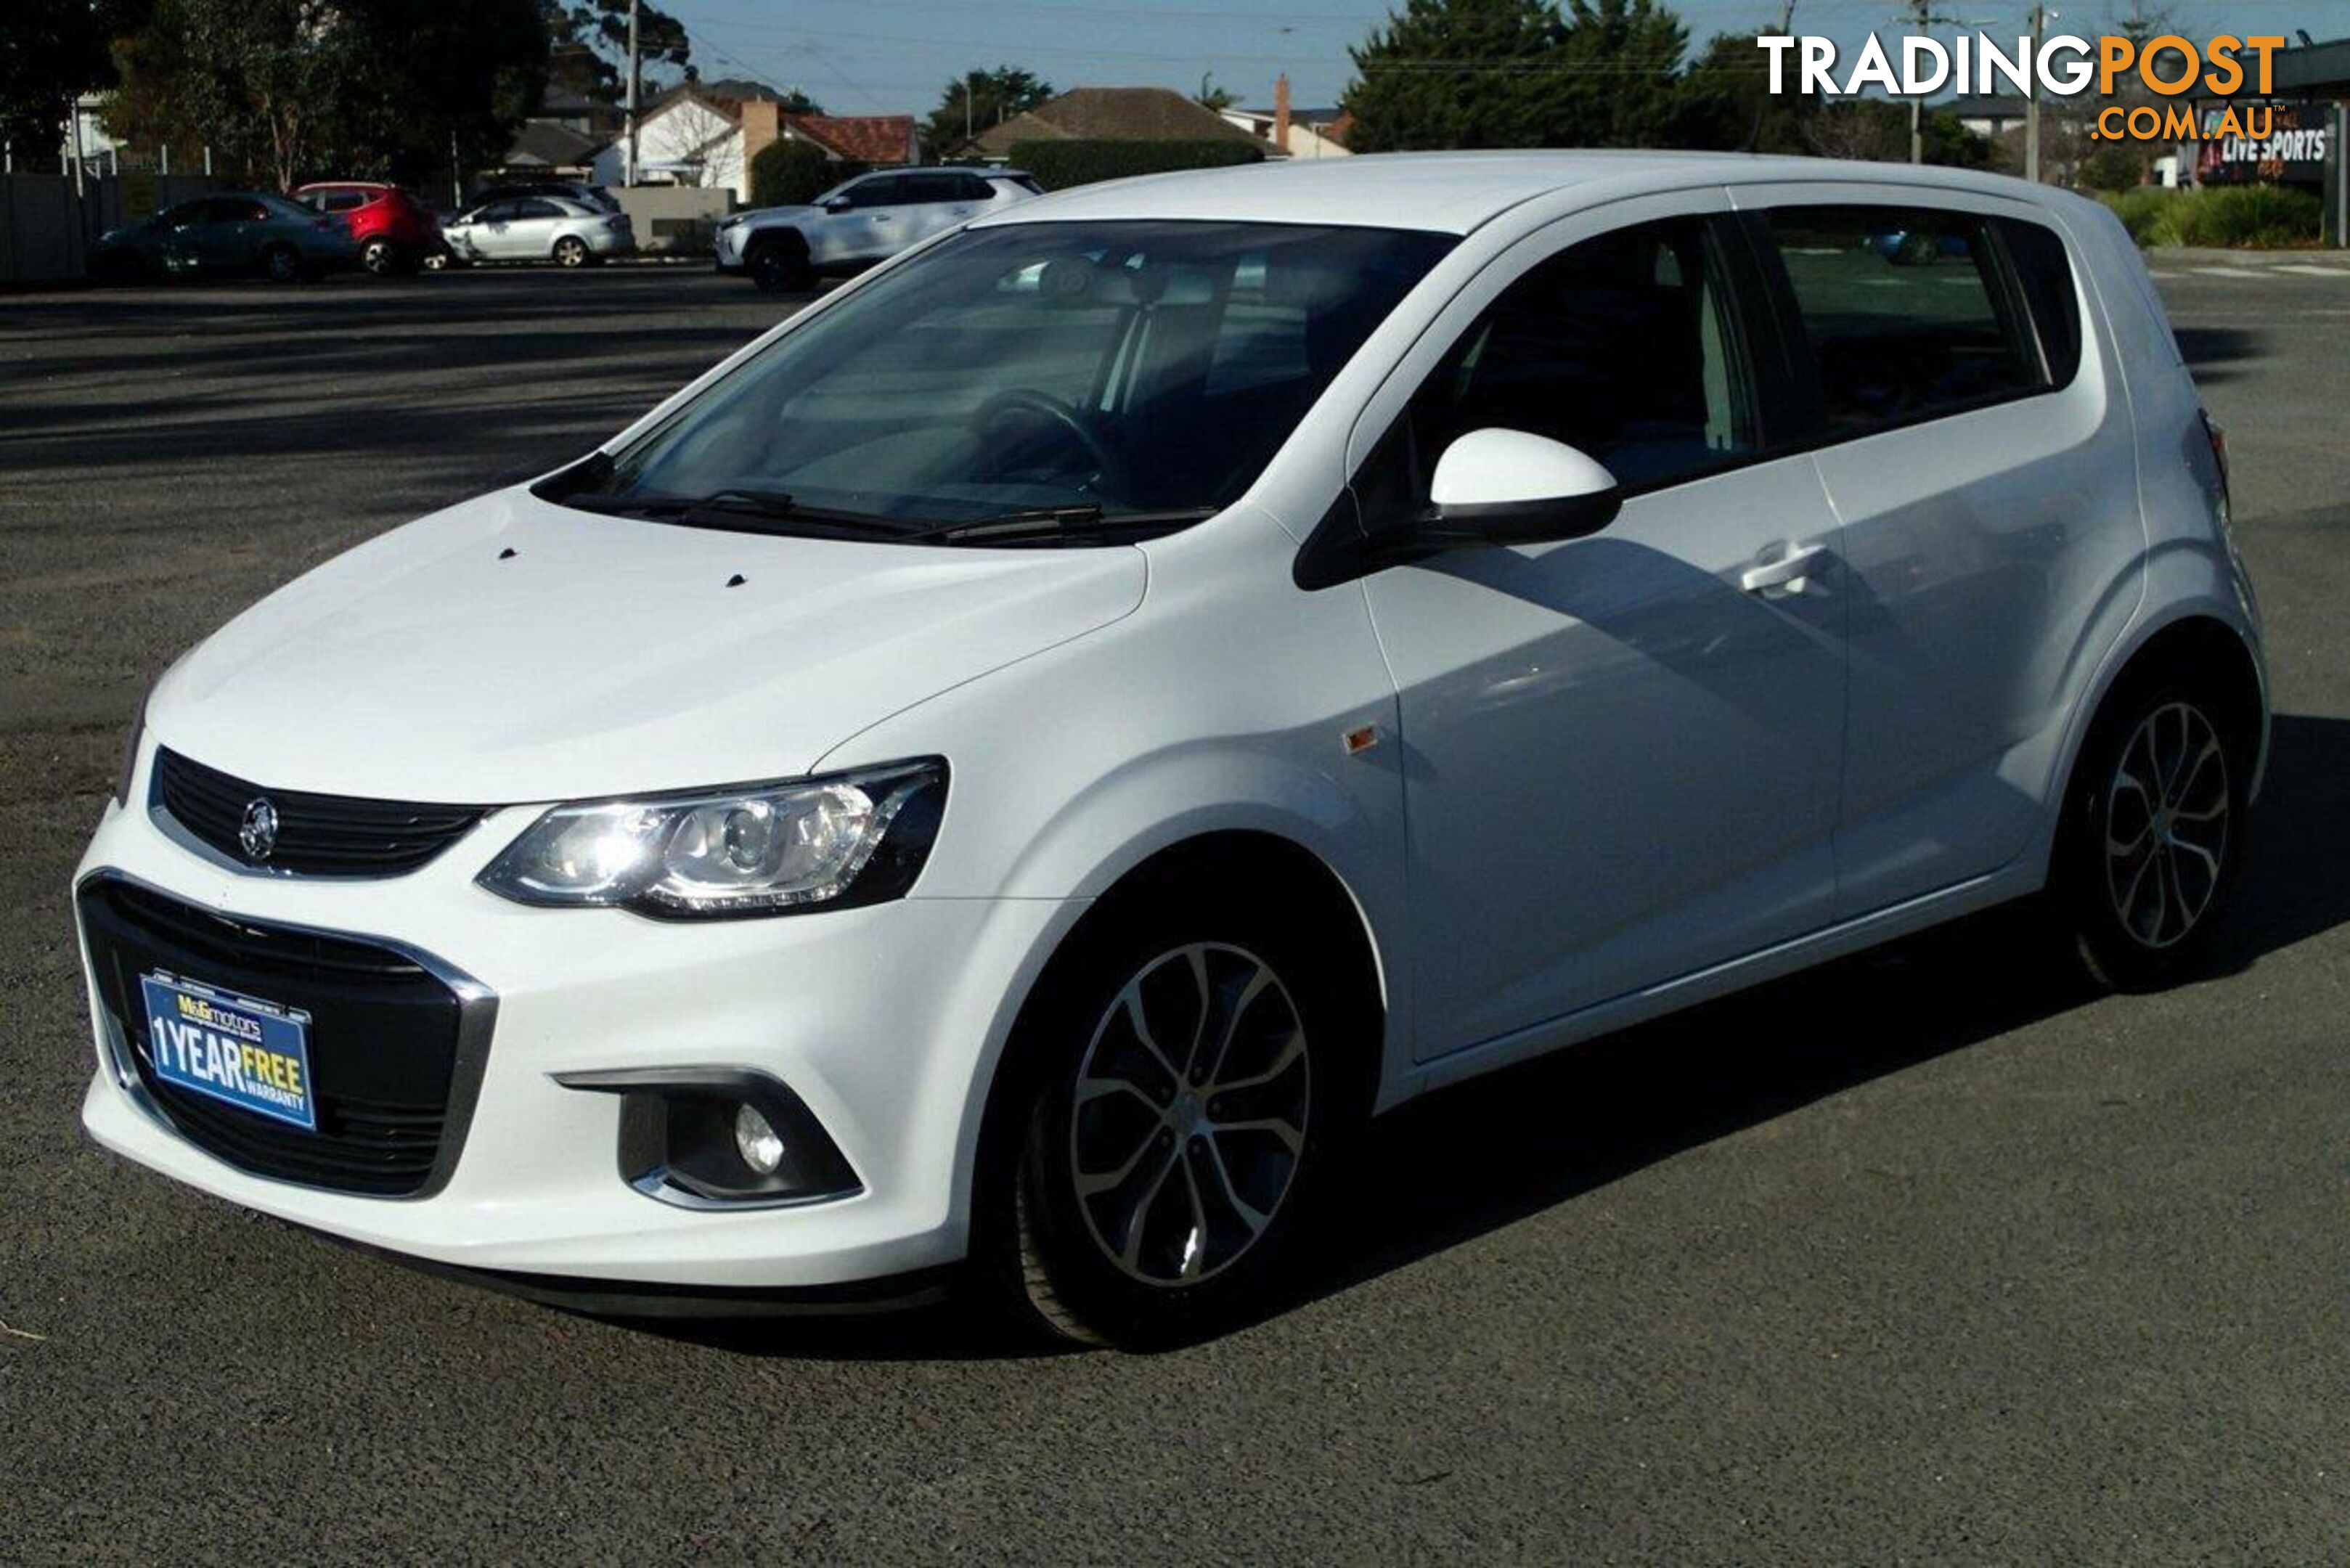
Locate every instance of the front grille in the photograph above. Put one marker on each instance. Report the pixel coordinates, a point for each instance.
(318, 835)
(396, 1052)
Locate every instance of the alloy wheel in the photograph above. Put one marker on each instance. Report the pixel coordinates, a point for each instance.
(380, 258)
(2166, 825)
(283, 265)
(570, 251)
(1189, 1114)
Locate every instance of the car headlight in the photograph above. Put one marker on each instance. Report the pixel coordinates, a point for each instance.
(838, 840)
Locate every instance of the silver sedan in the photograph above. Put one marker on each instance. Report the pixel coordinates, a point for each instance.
(539, 228)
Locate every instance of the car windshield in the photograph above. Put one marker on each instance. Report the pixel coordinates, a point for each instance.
(1053, 376)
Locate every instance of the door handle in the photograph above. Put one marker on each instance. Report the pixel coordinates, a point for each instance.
(1788, 572)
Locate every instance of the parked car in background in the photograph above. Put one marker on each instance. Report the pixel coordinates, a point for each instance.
(594, 196)
(393, 230)
(228, 234)
(1020, 764)
(860, 221)
(537, 228)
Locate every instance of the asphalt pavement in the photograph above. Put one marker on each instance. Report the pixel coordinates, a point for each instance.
(1909, 1258)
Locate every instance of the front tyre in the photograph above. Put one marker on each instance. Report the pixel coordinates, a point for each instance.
(571, 251)
(780, 267)
(281, 264)
(2153, 834)
(1177, 1092)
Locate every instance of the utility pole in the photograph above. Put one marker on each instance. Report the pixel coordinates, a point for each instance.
(2032, 98)
(966, 106)
(628, 162)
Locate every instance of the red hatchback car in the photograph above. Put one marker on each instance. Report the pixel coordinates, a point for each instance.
(394, 230)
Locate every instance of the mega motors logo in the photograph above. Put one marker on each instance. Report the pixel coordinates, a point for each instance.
(2169, 66)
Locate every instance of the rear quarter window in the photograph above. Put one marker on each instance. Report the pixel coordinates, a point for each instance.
(2044, 272)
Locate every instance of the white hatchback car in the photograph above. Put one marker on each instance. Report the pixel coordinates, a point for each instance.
(1014, 765)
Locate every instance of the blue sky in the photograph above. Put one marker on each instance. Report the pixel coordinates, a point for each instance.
(863, 56)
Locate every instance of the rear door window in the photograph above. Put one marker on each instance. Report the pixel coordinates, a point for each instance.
(1908, 314)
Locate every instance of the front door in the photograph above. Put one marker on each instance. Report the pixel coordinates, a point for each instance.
(1620, 753)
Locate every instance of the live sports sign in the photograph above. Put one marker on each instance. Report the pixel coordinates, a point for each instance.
(2284, 141)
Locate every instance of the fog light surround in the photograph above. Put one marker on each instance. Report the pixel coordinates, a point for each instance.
(720, 1138)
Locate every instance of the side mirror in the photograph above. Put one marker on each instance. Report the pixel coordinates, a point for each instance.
(839, 204)
(1512, 487)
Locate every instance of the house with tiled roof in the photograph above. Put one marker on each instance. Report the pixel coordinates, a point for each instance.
(707, 133)
(1107, 114)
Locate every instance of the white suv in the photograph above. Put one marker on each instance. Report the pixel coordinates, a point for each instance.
(860, 221)
(1015, 765)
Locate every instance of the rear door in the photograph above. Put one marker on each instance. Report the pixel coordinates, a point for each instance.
(529, 234)
(227, 236)
(1621, 753)
(1978, 452)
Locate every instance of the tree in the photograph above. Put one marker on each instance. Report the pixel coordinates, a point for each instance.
(977, 99)
(1460, 73)
(1211, 96)
(52, 52)
(1726, 104)
(1622, 62)
(591, 37)
(286, 89)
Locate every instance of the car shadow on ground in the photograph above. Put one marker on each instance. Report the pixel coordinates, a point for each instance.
(2217, 354)
(1470, 1160)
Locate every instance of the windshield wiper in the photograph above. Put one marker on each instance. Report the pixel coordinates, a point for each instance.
(1062, 525)
(747, 510)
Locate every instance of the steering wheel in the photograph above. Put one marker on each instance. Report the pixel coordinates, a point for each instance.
(1027, 399)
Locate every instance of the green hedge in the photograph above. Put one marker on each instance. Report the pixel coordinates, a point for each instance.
(2260, 217)
(1058, 165)
(788, 173)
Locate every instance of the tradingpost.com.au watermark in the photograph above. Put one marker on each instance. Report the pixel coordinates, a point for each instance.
(2170, 66)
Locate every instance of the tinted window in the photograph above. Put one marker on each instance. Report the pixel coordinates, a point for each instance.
(1904, 311)
(337, 200)
(1624, 347)
(884, 193)
(1133, 366)
(537, 209)
(969, 188)
(2045, 273)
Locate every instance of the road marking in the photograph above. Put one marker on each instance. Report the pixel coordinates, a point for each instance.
(2305, 270)
(2227, 271)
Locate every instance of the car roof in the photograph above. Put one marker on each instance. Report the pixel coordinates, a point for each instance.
(1452, 193)
(344, 185)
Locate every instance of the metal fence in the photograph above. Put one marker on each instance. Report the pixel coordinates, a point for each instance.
(48, 221)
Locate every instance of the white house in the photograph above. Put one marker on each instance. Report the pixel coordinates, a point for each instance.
(695, 137)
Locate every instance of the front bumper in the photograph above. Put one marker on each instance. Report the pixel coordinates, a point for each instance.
(885, 1021)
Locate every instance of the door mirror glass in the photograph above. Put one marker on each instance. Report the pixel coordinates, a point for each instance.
(1513, 487)
(838, 203)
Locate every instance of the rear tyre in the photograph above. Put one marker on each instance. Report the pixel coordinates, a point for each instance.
(1162, 1125)
(779, 266)
(440, 258)
(2153, 833)
(571, 251)
(281, 264)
